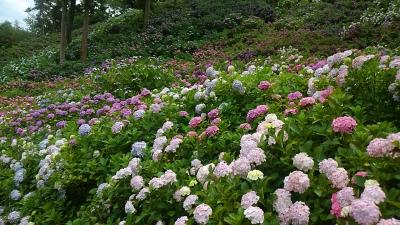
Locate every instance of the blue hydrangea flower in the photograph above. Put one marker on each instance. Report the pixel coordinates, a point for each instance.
(137, 149)
(84, 129)
(139, 114)
(238, 86)
(15, 195)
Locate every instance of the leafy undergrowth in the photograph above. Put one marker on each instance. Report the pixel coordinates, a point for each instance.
(280, 140)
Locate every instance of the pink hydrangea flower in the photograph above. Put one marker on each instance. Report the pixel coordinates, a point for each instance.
(213, 114)
(297, 181)
(335, 206)
(364, 212)
(255, 215)
(391, 221)
(289, 112)
(328, 166)
(283, 200)
(345, 124)
(216, 121)
(380, 147)
(240, 167)
(345, 196)
(181, 220)
(212, 131)
(222, 169)
(294, 95)
(192, 134)
(373, 193)
(137, 183)
(249, 199)
(264, 85)
(258, 111)
(308, 101)
(339, 178)
(245, 126)
(299, 213)
(183, 113)
(195, 121)
(202, 213)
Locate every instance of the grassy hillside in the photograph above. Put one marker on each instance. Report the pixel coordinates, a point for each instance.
(193, 28)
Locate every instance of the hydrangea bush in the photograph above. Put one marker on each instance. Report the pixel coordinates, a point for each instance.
(274, 143)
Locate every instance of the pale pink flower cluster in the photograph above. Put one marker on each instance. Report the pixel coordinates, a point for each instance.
(240, 166)
(254, 214)
(373, 192)
(307, 101)
(143, 194)
(158, 146)
(245, 126)
(216, 121)
(391, 221)
(168, 177)
(382, 147)
(251, 212)
(196, 164)
(137, 182)
(249, 199)
(328, 166)
(222, 169)
(364, 212)
(291, 111)
(342, 74)
(272, 123)
(250, 151)
(359, 61)
(117, 127)
(159, 143)
(134, 165)
(303, 162)
(167, 126)
(203, 172)
(344, 124)
(297, 181)
(283, 200)
(338, 176)
(345, 196)
(181, 220)
(202, 213)
(341, 199)
(323, 95)
(297, 214)
(189, 202)
(174, 144)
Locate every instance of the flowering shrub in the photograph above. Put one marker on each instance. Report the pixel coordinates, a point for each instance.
(267, 144)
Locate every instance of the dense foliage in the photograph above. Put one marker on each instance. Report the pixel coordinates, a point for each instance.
(106, 150)
(216, 112)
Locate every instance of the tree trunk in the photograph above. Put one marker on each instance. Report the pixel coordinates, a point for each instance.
(71, 16)
(63, 39)
(146, 15)
(85, 31)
